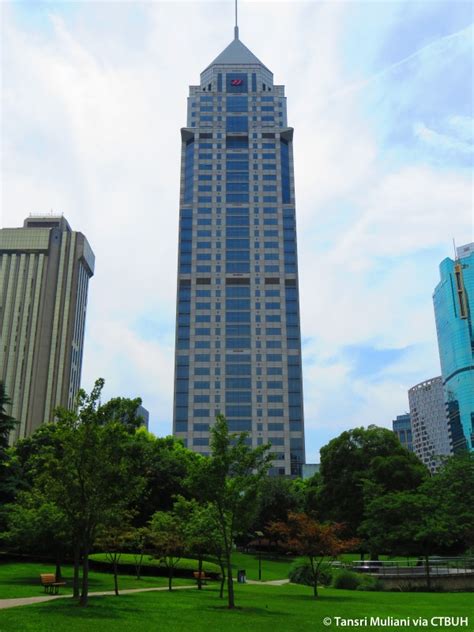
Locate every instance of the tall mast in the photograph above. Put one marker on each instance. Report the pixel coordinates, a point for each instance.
(236, 27)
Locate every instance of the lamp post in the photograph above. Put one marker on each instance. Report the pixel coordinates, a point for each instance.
(259, 535)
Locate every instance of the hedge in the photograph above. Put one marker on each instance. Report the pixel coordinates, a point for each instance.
(151, 566)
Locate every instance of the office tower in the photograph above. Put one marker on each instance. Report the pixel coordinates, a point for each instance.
(402, 428)
(453, 300)
(45, 269)
(144, 414)
(429, 422)
(238, 346)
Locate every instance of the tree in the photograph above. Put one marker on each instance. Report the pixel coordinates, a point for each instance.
(138, 539)
(452, 489)
(201, 533)
(89, 475)
(8, 482)
(168, 540)
(112, 539)
(358, 456)
(164, 463)
(408, 522)
(304, 536)
(277, 496)
(229, 480)
(36, 524)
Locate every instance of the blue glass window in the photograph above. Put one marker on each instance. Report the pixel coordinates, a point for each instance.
(237, 142)
(237, 104)
(188, 171)
(237, 124)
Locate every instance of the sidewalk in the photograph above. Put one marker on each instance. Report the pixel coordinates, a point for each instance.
(25, 601)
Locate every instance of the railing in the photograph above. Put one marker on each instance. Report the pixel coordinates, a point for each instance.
(437, 566)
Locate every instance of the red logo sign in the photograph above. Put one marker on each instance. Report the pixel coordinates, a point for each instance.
(236, 82)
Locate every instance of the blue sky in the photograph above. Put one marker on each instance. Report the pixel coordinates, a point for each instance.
(380, 96)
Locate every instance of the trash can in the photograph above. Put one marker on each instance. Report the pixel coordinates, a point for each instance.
(241, 576)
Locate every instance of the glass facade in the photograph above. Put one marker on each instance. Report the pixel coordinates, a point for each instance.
(238, 342)
(453, 304)
(402, 428)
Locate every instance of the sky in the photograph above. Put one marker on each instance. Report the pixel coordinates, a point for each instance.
(381, 98)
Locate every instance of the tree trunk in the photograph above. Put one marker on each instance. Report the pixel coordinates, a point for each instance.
(428, 576)
(77, 561)
(85, 577)
(116, 578)
(230, 582)
(58, 573)
(221, 564)
(200, 572)
(170, 578)
(138, 566)
(315, 578)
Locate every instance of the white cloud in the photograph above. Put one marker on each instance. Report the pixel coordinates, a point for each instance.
(91, 118)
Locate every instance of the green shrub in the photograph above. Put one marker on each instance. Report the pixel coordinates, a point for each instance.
(367, 582)
(302, 574)
(348, 580)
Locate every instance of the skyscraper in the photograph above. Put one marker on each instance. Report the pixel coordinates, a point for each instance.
(238, 345)
(44, 275)
(401, 426)
(429, 422)
(454, 304)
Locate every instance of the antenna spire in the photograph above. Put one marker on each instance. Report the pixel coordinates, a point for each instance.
(236, 27)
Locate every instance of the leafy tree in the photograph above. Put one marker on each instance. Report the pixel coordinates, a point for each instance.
(36, 524)
(229, 480)
(201, 533)
(359, 456)
(112, 539)
(304, 536)
(168, 540)
(123, 410)
(408, 523)
(277, 496)
(89, 476)
(165, 464)
(8, 482)
(452, 490)
(138, 541)
(7, 423)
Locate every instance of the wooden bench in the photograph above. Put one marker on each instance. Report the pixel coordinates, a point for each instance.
(201, 575)
(51, 586)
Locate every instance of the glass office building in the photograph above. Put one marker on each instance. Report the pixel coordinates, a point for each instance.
(401, 426)
(238, 344)
(453, 304)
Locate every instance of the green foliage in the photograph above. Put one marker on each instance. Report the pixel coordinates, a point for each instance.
(349, 580)
(360, 464)
(277, 496)
(229, 482)
(184, 563)
(345, 579)
(301, 574)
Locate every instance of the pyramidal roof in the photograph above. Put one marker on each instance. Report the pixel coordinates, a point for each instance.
(235, 54)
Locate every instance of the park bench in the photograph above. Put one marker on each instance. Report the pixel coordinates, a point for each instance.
(51, 586)
(201, 575)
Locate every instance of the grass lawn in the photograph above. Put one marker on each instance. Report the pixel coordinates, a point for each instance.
(272, 568)
(22, 579)
(287, 608)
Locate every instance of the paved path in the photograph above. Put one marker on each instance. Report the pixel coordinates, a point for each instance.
(273, 582)
(24, 601)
